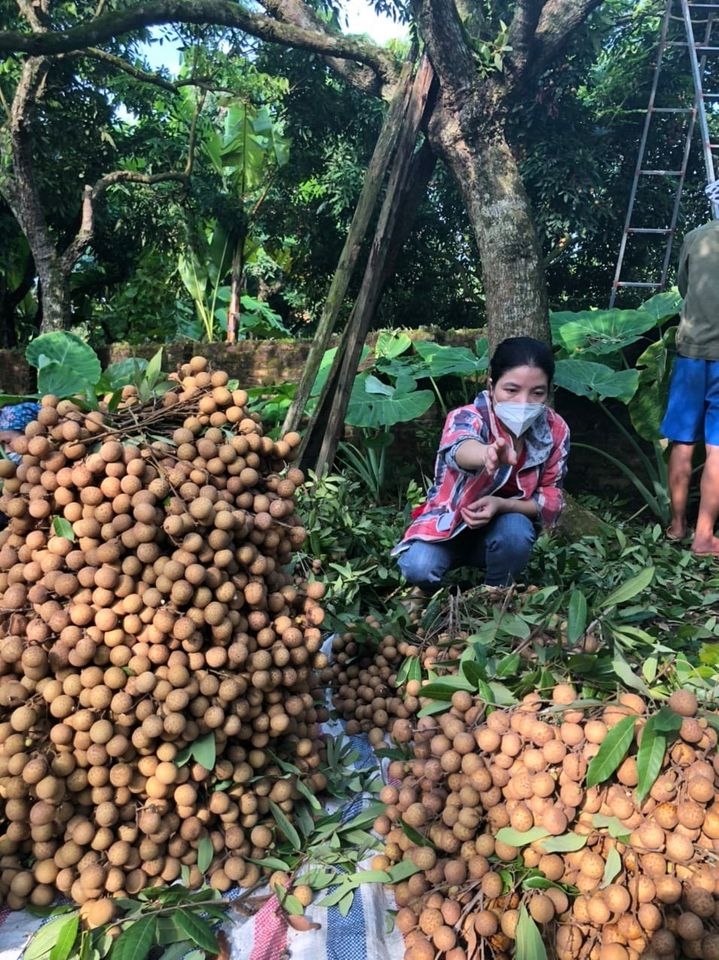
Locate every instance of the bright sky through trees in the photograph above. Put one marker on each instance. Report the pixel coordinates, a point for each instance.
(361, 18)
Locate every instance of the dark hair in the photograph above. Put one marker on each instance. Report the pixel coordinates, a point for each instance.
(521, 352)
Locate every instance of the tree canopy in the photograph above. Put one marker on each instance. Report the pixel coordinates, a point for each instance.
(528, 115)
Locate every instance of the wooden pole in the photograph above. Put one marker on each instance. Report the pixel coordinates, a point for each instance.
(327, 423)
(374, 177)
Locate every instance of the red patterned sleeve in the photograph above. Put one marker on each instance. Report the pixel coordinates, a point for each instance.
(549, 494)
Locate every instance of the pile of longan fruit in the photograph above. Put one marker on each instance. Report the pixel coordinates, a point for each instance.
(147, 607)
(648, 887)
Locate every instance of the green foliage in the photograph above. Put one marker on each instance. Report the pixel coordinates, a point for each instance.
(165, 923)
(65, 365)
(592, 363)
(348, 541)
(69, 367)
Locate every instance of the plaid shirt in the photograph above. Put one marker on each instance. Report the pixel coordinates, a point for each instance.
(540, 477)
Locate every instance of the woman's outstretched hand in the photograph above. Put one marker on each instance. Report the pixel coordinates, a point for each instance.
(499, 453)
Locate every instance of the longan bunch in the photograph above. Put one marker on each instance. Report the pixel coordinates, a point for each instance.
(649, 887)
(362, 676)
(144, 609)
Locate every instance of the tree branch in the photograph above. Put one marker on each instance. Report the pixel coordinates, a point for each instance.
(86, 230)
(217, 12)
(119, 64)
(521, 34)
(30, 13)
(362, 78)
(446, 41)
(557, 21)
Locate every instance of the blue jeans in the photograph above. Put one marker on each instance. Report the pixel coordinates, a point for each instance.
(502, 549)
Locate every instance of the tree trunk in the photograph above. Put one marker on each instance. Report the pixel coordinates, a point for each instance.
(490, 184)
(374, 178)
(319, 444)
(54, 294)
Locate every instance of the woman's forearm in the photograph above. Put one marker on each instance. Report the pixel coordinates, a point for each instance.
(527, 508)
(471, 455)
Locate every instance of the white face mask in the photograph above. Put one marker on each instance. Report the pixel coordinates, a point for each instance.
(518, 417)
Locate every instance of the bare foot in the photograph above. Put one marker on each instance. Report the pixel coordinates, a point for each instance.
(676, 531)
(706, 548)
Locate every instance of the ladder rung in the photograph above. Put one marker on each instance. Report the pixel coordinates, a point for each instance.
(660, 230)
(702, 48)
(672, 109)
(662, 173)
(630, 283)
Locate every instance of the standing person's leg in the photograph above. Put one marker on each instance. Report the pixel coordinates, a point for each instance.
(705, 543)
(704, 540)
(683, 424)
(678, 477)
(504, 548)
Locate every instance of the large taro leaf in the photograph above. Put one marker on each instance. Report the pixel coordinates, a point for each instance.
(123, 372)
(391, 344)
(599, 331)
(440, 361)
(647, 406)
(595, 380)
(325, 367)
(66, 365)
(663, 305)
(374, 404)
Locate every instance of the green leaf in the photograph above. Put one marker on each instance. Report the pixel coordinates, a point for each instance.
(135, 941)
(666, 720)
(205, 853)
(65, 939)
(66, 365)
(576, 617)
(529, 945)
(153, 372)
(613, 825)
(123, 372)
(289, 902)
(600, 331)
(439, 360)
(626, 674)
(630, 589)
(177, 950)
(508, 666)
(595, 380)
(371, 876)
(402, 870)
(204, 750)
(650, 757)
(612, 868)
(345, 904)
(334, 897)
(567, 843)
(63, 528)
(434, 706)
(44, 939)
(392, 344)
(520, 838)
(197, 930)
(612, 751)
(444, 689)
(411, 669)
(285, 826)
(415, 836)
(273, 863)
(374, 410)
